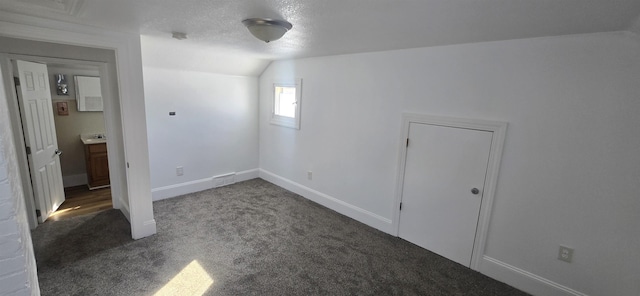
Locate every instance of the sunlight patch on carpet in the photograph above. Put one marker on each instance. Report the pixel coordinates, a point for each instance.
(192, 280)
(58, 212)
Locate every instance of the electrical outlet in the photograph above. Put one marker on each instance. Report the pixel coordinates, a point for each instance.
(310, 175)
(565, 254)
(179, 171)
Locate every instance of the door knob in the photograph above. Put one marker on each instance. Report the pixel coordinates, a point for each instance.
(475, 190)
(58, 152)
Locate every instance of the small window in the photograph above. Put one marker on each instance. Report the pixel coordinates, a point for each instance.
(286, 104)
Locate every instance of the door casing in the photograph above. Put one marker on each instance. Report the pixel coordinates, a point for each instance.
(104, 73)
(499, 130)
(130, 127)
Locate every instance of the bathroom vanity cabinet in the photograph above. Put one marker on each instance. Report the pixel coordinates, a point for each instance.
(97, 165)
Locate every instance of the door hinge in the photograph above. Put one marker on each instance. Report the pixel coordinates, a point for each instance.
(16, 81)
(38, 214)
(407, 142)
(127, 164)
(28, 150)
(401, 206)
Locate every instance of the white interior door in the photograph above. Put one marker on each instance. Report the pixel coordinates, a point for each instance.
(439, 210)
(40, 137)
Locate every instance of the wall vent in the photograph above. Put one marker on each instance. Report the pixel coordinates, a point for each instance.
(224, 180)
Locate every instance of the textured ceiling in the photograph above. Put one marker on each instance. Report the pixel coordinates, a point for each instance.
(340, 26)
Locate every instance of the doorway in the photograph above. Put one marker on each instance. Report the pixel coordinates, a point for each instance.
(53, 117)
(101, 59)
(125, 112)
(448, 170)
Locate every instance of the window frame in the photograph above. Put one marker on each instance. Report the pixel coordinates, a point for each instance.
(284, 120)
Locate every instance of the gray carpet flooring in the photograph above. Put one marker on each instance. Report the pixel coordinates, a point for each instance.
(251, 238)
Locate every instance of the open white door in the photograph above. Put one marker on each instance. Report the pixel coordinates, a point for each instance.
(40, 137)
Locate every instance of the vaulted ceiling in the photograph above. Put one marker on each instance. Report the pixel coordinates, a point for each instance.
(330, 27)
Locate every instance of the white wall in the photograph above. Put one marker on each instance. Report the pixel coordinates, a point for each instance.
(18, 275)
(570, 168)
(214, 131)
(166, 52)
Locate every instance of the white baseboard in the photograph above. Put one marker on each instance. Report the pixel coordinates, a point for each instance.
(116, 201)
(74, 180)
(491, 267)
(247, 175)
(181, 189)
(124, 208)
(349, 210)
(202, 184)
(148, 229)
(523, 280)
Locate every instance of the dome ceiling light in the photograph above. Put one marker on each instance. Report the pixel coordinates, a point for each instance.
(179, 35)
(267, 29)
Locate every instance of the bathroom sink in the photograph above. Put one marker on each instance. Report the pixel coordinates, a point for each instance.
(92, 138)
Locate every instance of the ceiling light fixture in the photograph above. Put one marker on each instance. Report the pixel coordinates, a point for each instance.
(267, 29)
(179, 35)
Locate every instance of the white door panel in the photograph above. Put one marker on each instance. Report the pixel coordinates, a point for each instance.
(439, 210)
(40, 137)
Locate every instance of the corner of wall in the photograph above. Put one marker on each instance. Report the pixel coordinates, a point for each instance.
(144, 229)
(175, 190)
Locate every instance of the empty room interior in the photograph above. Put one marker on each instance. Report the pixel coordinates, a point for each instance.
(320, 147)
